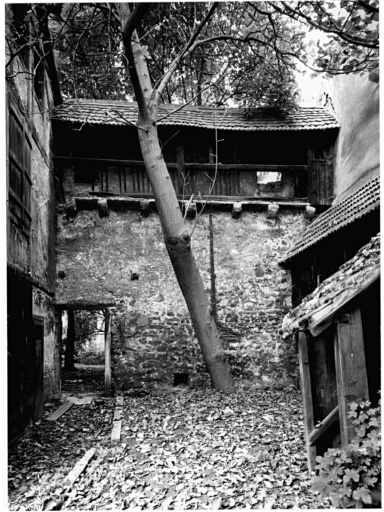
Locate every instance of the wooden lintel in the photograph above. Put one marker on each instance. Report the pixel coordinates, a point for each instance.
(135, 198)
(320, 429)
(84, 306)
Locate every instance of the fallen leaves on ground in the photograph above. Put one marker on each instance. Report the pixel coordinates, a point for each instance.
(180, 449)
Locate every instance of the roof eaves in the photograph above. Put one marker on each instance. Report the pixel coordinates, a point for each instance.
(333, 229)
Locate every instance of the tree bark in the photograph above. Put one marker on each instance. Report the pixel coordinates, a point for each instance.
(178, 243)
(176, 235)
(70, 345)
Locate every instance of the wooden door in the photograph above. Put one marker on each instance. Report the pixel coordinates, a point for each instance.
(38, 369)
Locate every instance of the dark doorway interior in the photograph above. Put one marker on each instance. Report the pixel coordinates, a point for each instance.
(181, 379)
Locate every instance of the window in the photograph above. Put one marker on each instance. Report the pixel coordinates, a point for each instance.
(19, 173)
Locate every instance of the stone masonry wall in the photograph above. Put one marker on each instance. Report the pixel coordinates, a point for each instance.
(122, 257)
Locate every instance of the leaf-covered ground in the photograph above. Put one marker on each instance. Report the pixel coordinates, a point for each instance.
(181, 449)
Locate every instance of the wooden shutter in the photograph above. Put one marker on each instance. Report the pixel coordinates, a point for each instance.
(19, 173)
(320, 166)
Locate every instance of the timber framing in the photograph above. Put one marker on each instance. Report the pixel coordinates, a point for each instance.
(337, 337)
(187, 165)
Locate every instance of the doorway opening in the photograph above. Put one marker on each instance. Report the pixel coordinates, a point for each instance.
(180, 379)
(85, 346)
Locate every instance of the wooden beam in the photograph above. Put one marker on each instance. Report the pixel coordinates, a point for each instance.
(60, 411)
(84, 306)
(306, 391)
(189, 165)
(107, 352)
(322, 428)
(351, 370)
(74, 474)
(117, 420)
(132, 198)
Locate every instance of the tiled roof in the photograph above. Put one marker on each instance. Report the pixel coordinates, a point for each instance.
(258, 119)
(353, 207)
(333, 293)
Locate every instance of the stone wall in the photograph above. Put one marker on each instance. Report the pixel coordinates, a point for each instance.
(122, 257)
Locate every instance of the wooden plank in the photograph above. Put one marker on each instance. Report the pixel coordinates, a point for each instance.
(116, 432)
(60, 411)
(180, 163)
(322, 428)
(351, 371)
(119, 400)
(323, 375)
(307, 396)
(117, 414)
(74, 474)
(107, 353)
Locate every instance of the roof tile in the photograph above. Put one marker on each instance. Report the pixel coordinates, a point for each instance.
(356, 205)
(343, 284)
(120, 113)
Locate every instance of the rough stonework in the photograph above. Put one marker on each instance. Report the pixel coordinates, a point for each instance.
(152, 336)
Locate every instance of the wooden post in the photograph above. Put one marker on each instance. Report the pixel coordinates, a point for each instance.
(107, 352)
(70, 345)
(351, 369)
(213, 277)
(307, 397)
(180, 162)
(58, 347)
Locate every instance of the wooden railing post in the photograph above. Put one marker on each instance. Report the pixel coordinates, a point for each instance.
(307, 397)
(212, 270)
(107, 352)
(351, 370)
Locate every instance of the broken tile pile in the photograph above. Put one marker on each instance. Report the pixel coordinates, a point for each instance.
(350, 275)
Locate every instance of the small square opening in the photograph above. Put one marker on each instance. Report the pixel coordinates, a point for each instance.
(180, 379)
(268, 178)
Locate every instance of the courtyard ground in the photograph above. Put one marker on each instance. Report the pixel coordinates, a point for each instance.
(180, 449)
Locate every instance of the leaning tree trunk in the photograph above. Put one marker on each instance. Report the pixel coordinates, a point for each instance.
(178, 244)
(176, 236)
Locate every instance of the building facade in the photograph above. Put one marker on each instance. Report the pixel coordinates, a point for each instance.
(270, 168)
(33, 364)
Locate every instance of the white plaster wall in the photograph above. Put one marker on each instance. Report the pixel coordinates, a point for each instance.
(355, 101)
